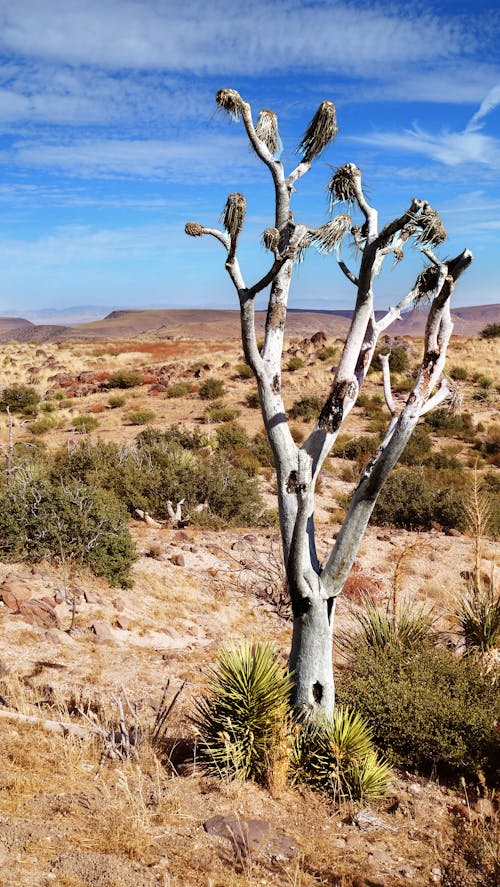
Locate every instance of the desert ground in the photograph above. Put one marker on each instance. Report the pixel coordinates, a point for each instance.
(73, 817)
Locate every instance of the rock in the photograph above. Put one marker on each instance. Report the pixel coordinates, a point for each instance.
(39, 613)
(178, 560)
(56, 636)
(118, 604)
(415, 789)
(103, 632)
(252, 837)
(181, 536)
(91, 597)
(14, 592)
(4, 669)
(368, 821)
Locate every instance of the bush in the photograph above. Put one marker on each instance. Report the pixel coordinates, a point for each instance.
(232, 436)
(179, 389)
(483, 381)
(19, 399)
(261, 449)
(117, 401)
(415, 499)
(459, 373)
(85, 424)
(252, 400)
(448, 424)
(240, 717)
(329, 353)
(42, 425)
(354, 447)
(87, 526)
(125, 379)
(376, 629)
(398, 359)
(478, 617)
(48, 407)
(338, 756)
(212, 388)
(217, 412)
(174, 434)
(295, 363)
(307, 408)
(490, 331)
(430, 711)
(140, 417)
(418, 447)
(243, 371)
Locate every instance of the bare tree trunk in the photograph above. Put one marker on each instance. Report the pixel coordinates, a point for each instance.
(311, 657)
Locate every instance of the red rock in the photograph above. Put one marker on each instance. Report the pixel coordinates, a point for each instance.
(39, 613)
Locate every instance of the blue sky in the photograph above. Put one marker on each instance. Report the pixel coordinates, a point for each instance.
(109, 140)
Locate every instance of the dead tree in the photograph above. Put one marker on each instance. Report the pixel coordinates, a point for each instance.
(314, 586)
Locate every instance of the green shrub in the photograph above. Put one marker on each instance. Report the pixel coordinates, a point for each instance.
(241, 715)
(295, 363)
(42, 425)
(398, 359)
(85, 424)
(329, 353)
(243, 371)
(212, 389)
(307, 408)
(19, 399)
(252, 400)
(338, 756)
(140, 417)
(430, 710)
(117, 401)
(174, 434)
(261, 449)
(448, 424)
(85, 525)
(415, 499)
(478, 618)
(483, 381)
(125, 379)
(48, 407)
(218, 412)
(378, 629)
(459, 373)
(179, 389)
(418, 447)
(232, 436)
(490, 331)
(354, 447)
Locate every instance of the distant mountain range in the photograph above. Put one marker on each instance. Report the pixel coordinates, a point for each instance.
(215, 324)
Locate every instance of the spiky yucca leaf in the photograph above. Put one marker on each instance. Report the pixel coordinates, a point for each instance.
(271, 239)
(194, 229)
(242, 713)
(478, 617)
(432, 230)
(230, 101)
(341, 185)
(338, 755)
(320, 132)
(233, 214)
(301, 249)
(455, 400)
(378, 629)
(330, 236)
(267, 131)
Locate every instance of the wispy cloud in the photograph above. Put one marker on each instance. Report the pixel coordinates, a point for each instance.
(220, 37)
(470, 146)
(214, 158)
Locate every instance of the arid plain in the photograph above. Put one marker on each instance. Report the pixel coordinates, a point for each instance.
(195, 586)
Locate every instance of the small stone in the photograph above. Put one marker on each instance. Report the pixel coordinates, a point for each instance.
(118, 604)
(415, 788)
(178, 560)
(103, 632)
(91, 597)
(367, 821)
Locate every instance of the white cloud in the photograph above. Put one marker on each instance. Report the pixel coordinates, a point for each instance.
(468, 147)
(209, 158)
(219, 37)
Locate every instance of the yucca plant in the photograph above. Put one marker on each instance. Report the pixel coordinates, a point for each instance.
(338, 755)
(406, 628)
(478, 617)
(240, 718)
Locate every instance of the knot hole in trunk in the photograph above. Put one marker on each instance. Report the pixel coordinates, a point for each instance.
(317, 691)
